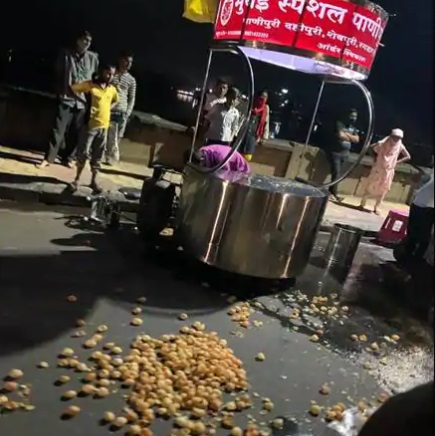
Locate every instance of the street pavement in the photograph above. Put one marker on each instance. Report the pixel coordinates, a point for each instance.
(49, 254)
(21, 181)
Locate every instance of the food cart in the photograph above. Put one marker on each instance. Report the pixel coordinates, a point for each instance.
(257, 225)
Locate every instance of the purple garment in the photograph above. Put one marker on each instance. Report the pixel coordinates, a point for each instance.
(215, 154)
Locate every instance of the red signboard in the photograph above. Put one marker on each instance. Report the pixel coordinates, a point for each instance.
(335, 28)
(367, 30)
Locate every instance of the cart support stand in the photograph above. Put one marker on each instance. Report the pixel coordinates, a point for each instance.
(201, 102)
(313, 121)
(244, 128)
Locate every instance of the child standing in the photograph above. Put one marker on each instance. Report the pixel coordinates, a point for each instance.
(101, 96)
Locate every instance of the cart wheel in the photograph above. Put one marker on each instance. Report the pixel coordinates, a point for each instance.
(155, 208)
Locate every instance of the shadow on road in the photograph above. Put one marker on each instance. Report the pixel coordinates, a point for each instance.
(93, 264)
(35, 287)
(27, 179)
(19, 158)
(116, 172)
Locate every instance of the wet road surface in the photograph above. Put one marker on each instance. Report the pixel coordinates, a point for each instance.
(47, 255)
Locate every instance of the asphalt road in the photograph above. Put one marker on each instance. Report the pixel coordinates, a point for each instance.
(46, 255)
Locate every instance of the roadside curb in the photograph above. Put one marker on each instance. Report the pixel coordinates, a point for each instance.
(59, 197)
(55, 195)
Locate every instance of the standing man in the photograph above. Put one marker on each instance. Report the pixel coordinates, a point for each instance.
(125, 84)
(223, 120)
(74, 65)
(218, 96)
(338, 150)
(420, 222)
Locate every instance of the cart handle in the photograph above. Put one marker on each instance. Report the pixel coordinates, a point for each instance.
(243, 130)
(370, 128)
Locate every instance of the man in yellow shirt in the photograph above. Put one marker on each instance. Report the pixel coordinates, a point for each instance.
(101, 96)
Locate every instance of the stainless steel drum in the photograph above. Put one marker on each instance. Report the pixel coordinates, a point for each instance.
(260, 226)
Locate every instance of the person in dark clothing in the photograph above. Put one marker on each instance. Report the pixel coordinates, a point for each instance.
(420, 223)
(405, 414)
(74, 65)
(337, 151)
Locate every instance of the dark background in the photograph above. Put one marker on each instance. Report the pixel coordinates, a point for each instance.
(171, 52)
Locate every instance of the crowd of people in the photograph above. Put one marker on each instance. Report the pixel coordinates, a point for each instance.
(222, 120)
(222, 117)
(94, 103)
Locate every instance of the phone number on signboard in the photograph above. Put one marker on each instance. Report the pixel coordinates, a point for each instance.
(237, 33)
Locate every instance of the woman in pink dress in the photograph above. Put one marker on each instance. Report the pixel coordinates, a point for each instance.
(390, 152)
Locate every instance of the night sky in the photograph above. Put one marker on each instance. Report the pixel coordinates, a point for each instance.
(163, 41)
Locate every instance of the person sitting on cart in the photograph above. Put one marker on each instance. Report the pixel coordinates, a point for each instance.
(223, 120)
(212, 155)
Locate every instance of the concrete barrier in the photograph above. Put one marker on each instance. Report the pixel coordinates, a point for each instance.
(27, 118)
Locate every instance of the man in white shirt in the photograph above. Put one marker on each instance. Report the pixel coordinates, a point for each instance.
(223, 119)
(218, 96)
(421, 221)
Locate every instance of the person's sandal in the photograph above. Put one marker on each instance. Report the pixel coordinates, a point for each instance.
(337, 199)
(67, 164)
(42, 165)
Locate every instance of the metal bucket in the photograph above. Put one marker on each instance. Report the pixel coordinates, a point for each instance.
(342, 245)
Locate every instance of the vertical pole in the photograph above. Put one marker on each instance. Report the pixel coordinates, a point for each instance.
(313, 121)
(244, 127)
(201, 103)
